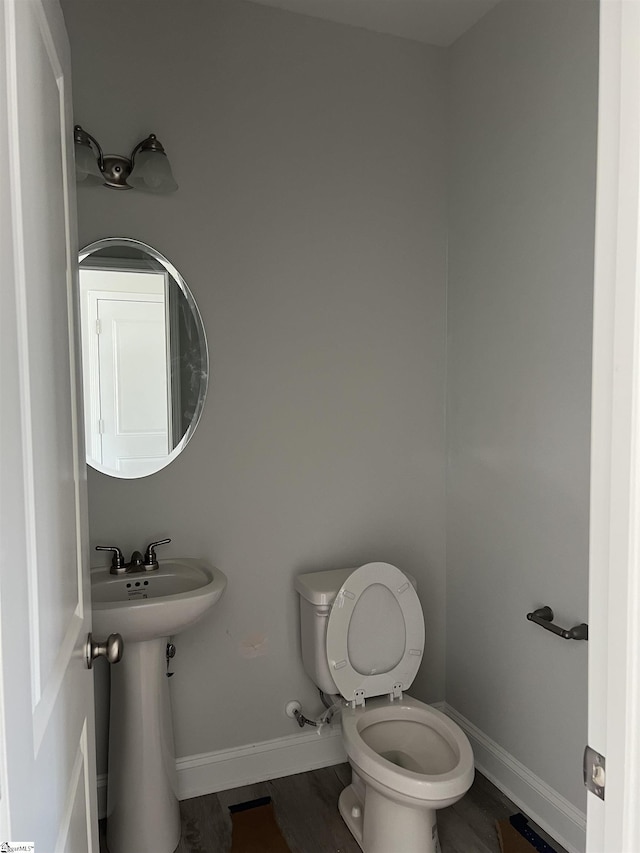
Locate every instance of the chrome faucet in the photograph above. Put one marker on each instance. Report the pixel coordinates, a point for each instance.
(137, 563)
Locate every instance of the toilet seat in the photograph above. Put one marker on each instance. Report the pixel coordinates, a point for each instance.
(353, 684)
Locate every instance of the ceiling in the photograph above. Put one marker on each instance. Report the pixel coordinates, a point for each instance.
(438, 22)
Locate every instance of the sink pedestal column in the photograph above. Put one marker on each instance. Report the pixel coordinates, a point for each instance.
(143, 815)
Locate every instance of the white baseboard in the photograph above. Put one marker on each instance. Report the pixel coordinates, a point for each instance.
(545, 806)
(231, 768)
(210, 772)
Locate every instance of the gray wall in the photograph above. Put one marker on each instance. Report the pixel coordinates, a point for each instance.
(523, 96)
(310, 225)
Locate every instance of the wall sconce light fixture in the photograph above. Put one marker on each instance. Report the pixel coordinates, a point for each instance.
(147, 169)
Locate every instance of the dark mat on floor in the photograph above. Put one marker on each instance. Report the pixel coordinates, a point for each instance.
(255, 829)
(516, 836)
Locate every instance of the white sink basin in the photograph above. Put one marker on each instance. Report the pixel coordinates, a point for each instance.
(149, 605)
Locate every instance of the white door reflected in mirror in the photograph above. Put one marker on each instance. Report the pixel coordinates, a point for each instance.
(127, 368)
(144, 358)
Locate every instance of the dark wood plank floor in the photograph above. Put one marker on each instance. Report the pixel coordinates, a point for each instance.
(306, 807)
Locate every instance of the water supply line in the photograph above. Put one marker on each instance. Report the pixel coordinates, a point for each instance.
(294, 709)
(302, 720)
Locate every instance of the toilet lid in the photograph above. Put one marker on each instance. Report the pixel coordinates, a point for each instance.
(375, 633)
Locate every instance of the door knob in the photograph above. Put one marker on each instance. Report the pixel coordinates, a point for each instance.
(111, 649)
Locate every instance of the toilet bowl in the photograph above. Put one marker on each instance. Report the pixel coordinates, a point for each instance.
(363, 637)
(415, 759)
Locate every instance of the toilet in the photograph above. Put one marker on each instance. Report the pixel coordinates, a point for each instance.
(362, 633)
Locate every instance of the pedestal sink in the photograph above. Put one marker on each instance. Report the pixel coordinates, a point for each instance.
(146, 608)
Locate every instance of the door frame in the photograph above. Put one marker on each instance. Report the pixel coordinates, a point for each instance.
(614, 572)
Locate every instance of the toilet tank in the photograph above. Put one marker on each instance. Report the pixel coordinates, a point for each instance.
(317, 593)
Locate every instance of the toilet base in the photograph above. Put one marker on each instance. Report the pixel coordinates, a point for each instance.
(384, 825)
(352, 811)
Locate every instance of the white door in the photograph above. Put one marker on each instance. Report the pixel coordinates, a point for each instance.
(126, 352)
(613, 825)
(133, 392)
(47, 761)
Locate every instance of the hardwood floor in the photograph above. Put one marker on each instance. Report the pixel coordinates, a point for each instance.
(307, 813)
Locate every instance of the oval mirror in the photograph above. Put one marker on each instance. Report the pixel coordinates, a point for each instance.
(144, 358)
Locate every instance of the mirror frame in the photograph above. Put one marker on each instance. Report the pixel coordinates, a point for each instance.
(129, 242)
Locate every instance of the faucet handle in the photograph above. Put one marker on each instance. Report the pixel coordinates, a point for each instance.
(117, 562)
(150, 559)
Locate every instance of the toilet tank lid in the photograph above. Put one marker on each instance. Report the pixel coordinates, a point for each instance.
(321, 588)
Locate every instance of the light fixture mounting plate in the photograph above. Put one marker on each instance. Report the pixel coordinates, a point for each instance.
(116, 170)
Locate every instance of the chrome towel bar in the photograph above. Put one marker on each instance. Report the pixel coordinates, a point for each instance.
(543, 616)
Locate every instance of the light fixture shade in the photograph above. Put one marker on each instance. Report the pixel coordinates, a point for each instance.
(152, 173)
(87, 168)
